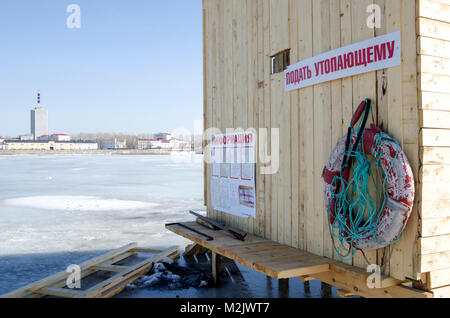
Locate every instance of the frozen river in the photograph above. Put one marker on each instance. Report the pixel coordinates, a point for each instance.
(61, 210)
(58, 210)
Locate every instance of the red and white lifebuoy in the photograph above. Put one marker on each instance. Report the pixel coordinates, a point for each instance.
(399, 186)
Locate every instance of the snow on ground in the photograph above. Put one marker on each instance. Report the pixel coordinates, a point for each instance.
(77, 203)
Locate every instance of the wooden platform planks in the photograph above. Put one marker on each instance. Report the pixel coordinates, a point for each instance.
(354, 280)
(56, 284)
(268, 257)
(281, 261)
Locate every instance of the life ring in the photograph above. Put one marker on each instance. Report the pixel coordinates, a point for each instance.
(399, 184)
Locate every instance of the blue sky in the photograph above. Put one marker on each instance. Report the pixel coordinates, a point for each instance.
(134, 66)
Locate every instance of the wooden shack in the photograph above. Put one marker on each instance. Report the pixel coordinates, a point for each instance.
(244, 89)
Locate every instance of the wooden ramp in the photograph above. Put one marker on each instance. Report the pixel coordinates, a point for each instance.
(116, 269)
(270, 258)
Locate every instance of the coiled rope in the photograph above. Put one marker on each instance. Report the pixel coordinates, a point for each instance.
(357, 213)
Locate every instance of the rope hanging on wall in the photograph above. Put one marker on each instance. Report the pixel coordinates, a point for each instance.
(358, 219)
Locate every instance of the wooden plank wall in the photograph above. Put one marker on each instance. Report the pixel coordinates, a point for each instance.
(433, 29)
(241, 36)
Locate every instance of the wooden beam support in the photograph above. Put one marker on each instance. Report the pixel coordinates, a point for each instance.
(194, 249)
(305, 278)
(215, 264)
(344, 293)
(354, 280)
(146, 250)
(59, 292)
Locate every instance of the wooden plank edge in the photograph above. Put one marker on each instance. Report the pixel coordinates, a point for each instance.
(344, 293)
(354, 280)
(267, 271)
(64, 274)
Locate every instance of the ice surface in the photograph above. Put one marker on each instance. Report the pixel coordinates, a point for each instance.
(59, 210)
(77, 203)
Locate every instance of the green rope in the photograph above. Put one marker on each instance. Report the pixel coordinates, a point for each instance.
(357, 214)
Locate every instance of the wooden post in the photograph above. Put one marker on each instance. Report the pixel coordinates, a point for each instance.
(215, 263)
(283, 288)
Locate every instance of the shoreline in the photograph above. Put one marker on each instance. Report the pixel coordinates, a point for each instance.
(158, 152)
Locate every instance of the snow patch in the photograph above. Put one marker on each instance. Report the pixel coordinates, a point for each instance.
(77, 203)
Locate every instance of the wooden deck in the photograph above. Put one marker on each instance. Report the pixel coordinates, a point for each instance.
(281, 261)
(270, 258)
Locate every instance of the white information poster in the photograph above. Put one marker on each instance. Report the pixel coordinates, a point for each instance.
(233, 174)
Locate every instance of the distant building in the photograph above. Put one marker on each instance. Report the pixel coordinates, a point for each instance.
(60, 137)
(26, 137)
(113, 144)
(172, 144)
(163, 136)
(54, 137)
(39, 120)
(145, 144)
(16, 144)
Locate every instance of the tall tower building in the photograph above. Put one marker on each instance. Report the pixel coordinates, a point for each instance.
(39, 120)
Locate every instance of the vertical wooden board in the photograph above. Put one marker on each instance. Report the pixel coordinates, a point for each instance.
(244, 84)
(275, 23)
(295, 149)
(347, 83)
(364, 86)
(222, 88)
(337, 118)
(267, 114)
(336, 112)
(228, 109)
(322, 126)
(237, 89)
(277, 106)
(382, 118)
(259, 224)
(252, 94)
(218, 86)
(208, 92)
(306, 130)
(279, 28)
(382, 102)
(410, 123)
(395, 110)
